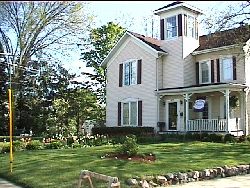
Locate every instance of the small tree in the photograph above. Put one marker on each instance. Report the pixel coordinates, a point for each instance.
(129, 147)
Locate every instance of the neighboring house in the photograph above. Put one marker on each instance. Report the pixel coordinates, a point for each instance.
(182, 82)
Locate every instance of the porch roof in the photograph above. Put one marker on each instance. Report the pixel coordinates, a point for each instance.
(204, 88)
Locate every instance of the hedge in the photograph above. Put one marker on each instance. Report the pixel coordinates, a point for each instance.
(121, 131)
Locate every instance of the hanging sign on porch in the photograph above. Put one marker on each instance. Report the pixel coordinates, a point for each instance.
(199, 105)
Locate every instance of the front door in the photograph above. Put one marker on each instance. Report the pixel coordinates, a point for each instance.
(172, 115)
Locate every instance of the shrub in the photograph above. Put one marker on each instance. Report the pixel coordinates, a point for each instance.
(216, 137)
(6, 149)
(129, 147)
(242, 138)
(19, 145)
(118, 131)
(34, 145)
(229, 138)
(54, 145)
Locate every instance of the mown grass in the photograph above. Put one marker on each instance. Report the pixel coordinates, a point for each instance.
(61, 168)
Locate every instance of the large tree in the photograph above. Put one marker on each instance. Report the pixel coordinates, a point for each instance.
(101, 40)
(33, 28)
(232, 16)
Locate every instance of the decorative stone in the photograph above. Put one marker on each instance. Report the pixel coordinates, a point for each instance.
(161, 179)
(132, 182)
(144, 184)
(153, 183)
(169, 176)
(195, 174)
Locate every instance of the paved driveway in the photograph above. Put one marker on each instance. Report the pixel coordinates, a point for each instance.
(241, 181)
(7, 184)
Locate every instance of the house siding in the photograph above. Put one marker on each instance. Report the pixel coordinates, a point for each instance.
(189, 71)
(144, 91)
(173, 64)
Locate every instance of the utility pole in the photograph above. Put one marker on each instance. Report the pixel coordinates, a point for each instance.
(10, 111)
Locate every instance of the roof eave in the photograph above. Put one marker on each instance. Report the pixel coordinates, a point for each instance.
(214, 49)
(180, 5)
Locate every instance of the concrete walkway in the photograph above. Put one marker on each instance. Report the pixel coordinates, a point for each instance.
(241, 181)
(7, 184)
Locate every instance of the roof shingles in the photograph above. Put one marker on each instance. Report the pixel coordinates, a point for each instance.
(154, 43)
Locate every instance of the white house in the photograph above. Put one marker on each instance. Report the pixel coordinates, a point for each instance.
(181, 82)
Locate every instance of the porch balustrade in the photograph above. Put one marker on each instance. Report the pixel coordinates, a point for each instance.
(211, 125)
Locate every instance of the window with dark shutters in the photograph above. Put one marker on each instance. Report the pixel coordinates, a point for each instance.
(212, 71)
(139, 71)
(197, 72)
(139, 113)
(162, 29)
(119, 113)
(234, 68)
(218, 69)
(120, 75)
(180, 25)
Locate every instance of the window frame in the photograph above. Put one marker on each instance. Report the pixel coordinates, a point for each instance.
(190, 30)
(222, 77)
(209, 71)
(129, 102)
(130, 63)
(167, 28)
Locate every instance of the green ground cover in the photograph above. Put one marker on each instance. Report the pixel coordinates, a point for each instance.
(61, 167)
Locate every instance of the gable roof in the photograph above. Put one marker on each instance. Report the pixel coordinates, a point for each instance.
(224, 38)
(153, 44)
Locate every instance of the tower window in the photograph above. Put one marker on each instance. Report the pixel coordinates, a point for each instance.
(171, 28)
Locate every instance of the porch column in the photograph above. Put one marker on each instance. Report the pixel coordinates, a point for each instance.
(187, 97)
(246, 111)
(226, 94)
(242, 111)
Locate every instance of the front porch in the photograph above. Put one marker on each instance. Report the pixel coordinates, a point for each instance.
(176, 110)
(216, 125)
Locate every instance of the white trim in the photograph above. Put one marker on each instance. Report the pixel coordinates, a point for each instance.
(129, 101)
(210, 88)
(132, 61)
(209, 71)
(166, 28)
(221, 68)
(214, 49)
(178, 113)
(120, 43)
(184, 5)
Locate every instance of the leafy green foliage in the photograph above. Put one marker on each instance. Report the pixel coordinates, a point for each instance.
(129, 146)
(34, 145)
(95, 49)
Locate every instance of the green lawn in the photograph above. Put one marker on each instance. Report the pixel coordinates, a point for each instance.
(61, 168)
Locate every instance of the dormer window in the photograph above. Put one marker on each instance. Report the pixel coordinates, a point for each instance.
(171, 23)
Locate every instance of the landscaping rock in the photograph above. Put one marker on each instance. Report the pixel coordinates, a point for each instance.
(144, 184)
(132, 182)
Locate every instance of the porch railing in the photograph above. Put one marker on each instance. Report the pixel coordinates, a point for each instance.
(212, 125)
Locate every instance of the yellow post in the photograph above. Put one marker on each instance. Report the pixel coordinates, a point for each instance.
(10, 114)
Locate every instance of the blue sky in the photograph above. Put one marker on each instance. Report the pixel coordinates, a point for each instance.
(126, 12)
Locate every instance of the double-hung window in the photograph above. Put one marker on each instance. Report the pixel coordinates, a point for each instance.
(171, 28)
(191, 27)
(130, 72)
(130, 113)
(226, 69)
(205, 72)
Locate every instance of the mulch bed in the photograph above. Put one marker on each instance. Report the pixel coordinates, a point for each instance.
(147, 158)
